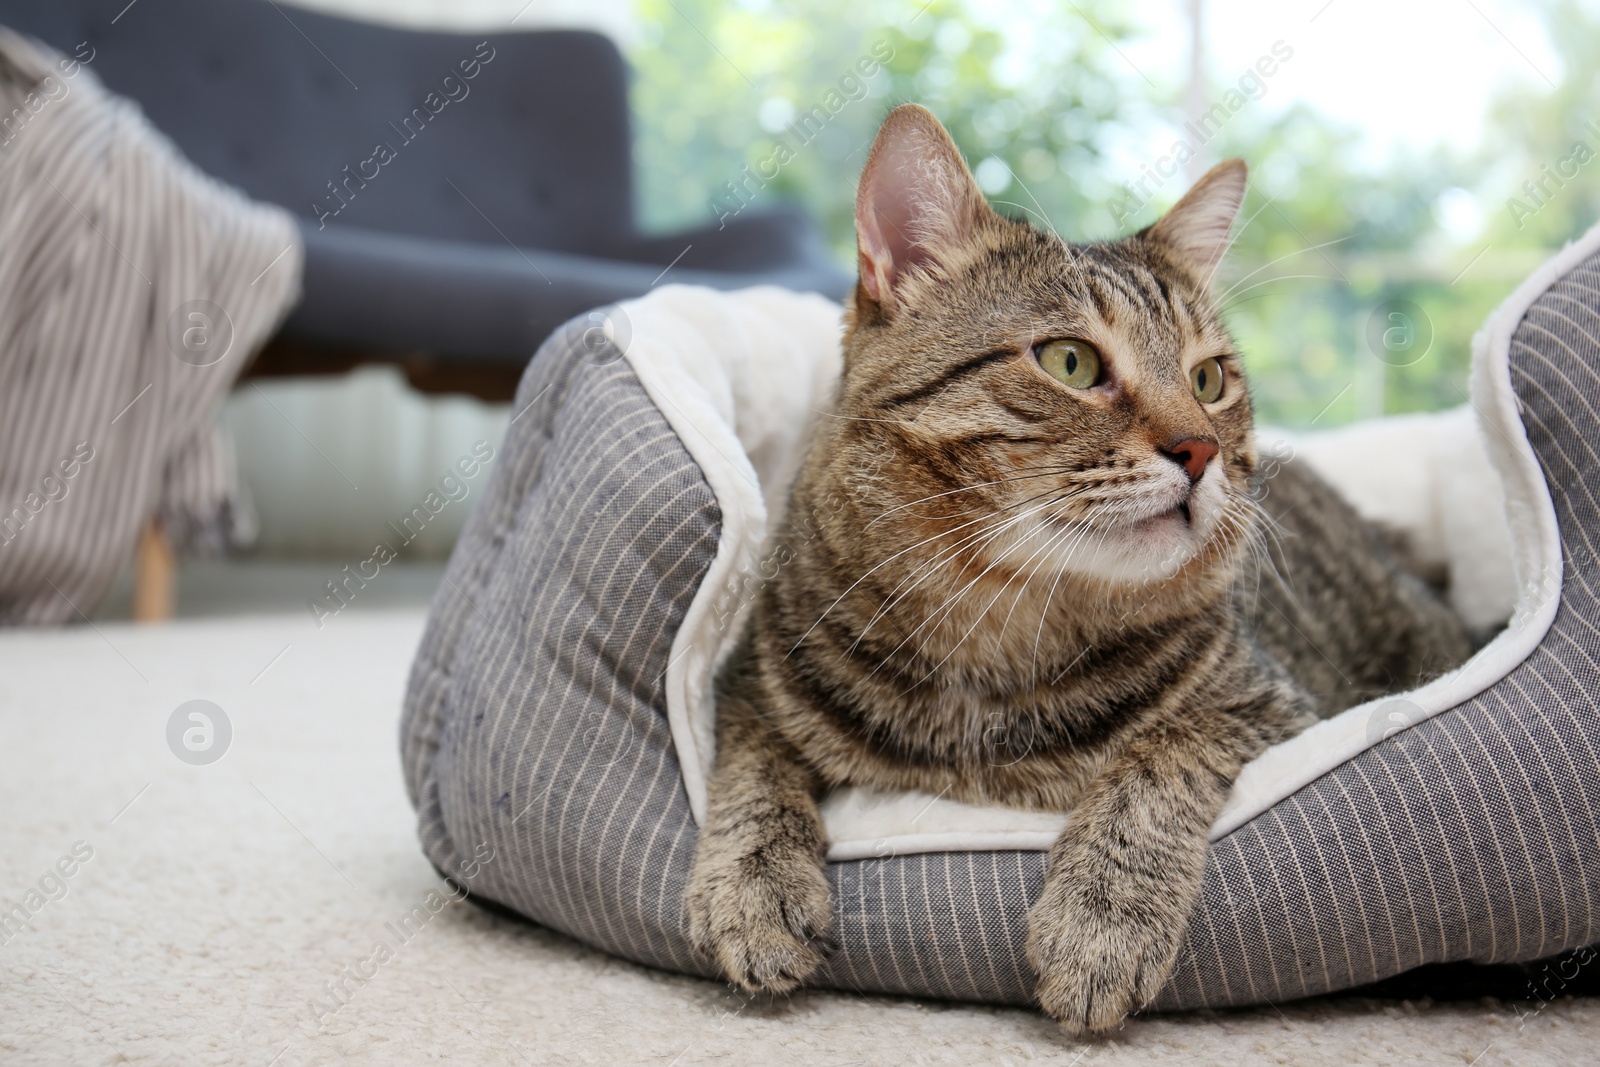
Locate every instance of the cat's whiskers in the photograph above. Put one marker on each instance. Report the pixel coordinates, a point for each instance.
(1276, 278)
(1240, 302)
(1287, 255)
(1043, 554)
(1109, 524)
(1268, 532)
(1082, 530)
(987, 537)
(1247, 524)
(1044, 614)
(949, 606)
(870, 571)
(1234, 532)
(923, 569)
(1270, 526)
(1046, 472)
(924, 572)
(928, 568)
(1233, 239)
(1250, 535)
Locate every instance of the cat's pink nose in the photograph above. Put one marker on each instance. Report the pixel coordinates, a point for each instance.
(1192, 455)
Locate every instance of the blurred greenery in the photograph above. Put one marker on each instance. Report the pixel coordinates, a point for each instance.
(1050, 118)
(756, 65)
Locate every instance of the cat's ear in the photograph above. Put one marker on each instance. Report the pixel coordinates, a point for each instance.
(917, 203)
(1196, 229)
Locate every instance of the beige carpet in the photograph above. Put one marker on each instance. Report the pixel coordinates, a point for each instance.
(221, 901)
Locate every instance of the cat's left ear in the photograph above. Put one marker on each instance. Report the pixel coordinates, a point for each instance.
(1196, 229)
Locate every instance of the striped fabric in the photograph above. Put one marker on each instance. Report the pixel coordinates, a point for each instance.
(535, 717)
(535, 723)
(135, 290)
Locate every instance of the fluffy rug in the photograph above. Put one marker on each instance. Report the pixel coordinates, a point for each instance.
(273, 906)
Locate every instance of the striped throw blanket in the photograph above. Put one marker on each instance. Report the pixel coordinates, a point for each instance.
(133, 290)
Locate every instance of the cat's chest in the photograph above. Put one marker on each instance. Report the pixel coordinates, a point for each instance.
(973, 743)
(1014, 709)
(984, 718)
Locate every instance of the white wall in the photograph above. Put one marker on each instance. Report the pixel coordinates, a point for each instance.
(329, 462)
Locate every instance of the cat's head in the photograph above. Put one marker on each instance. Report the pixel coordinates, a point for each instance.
(1080, 408)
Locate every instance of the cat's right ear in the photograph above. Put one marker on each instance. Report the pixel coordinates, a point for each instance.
(917, 203)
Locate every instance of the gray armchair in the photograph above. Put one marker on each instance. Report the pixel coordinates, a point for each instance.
(460, 195)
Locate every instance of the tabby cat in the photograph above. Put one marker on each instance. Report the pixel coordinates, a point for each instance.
(1054, 521)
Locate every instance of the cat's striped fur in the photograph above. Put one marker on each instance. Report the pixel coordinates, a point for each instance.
(1033, 594)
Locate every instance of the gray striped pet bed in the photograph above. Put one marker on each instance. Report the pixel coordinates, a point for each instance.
(558, 709)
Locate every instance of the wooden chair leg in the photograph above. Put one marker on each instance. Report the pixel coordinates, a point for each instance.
(155, 573)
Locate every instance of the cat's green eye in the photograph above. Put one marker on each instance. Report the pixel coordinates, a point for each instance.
(1074, 363)
(1206, 380)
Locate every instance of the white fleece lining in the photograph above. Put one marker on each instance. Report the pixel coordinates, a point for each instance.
(736, 375)
(741, 377)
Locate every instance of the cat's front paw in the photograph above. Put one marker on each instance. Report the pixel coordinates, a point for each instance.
(1096, 966)
(763, 919)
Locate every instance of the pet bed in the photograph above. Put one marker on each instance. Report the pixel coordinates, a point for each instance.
(559, 707)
